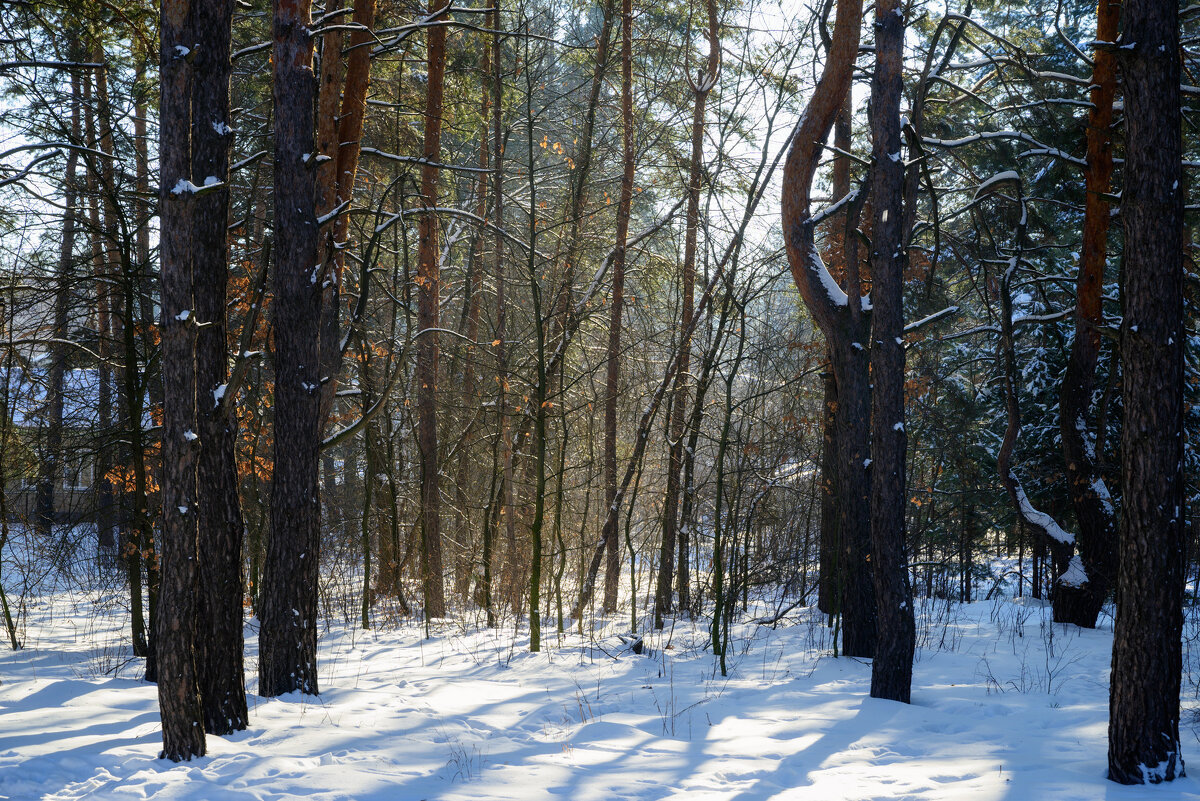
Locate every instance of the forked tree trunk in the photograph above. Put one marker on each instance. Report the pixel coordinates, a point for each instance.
(329, 74)
(1144, 696)
(339, 145)
(1049, 535)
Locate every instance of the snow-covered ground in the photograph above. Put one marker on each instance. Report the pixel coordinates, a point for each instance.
(1005, 706)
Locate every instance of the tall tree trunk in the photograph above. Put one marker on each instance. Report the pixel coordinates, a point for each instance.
(506, 506)
(852, 421)
(178, 687)
(219, 606)
(114, 247)
(828, 593)
(501, 505)
(612, 568)
(704, 83)
(891, 670)
(1144, 697)
(330, 72)
(473, 291)
(1093, 507)
(50, 466)
(828, 549)
(288, 633)
(141, 526)
(145, 558)
(541, 391)
(102, 485)
(339, 138)
(428, 296)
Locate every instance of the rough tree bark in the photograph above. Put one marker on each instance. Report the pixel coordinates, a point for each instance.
(891, 670)
(178, 689)
(221, 588)
(1143, 726)
(288, 602)
(428, 295)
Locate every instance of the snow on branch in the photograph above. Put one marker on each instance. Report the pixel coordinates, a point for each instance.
(333, 213)
(54, 65)
(185, 187)
(1037, 518)
(28, 168)
(1041, 148)
(816, 266)
(1026, 319)
(449, 210)
(998, 178)
(54, 146)
(421, 161)
(835, 207)
(933, 318)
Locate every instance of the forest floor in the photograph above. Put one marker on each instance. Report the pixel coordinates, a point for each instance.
(1006, 705)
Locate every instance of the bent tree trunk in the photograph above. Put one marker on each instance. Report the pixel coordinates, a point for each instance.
(1068, 586)
(842, 318)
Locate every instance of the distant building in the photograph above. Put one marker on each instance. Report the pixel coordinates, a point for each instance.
(24, 407)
